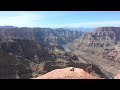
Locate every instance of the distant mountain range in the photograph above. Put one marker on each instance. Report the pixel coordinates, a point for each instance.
(81, 29)
(76, 29)
(7, 26)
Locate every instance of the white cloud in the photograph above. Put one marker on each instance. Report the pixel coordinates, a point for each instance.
(21, 19)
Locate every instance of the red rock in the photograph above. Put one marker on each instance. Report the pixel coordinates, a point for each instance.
(67, 73)
(117, 76)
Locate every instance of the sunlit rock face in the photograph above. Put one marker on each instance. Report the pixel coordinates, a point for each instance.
(100, 47)
(67, 73)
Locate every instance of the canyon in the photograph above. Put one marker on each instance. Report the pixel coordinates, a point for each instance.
(100, 47)
(32, 52)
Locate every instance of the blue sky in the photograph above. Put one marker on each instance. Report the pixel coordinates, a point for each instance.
(57, 19)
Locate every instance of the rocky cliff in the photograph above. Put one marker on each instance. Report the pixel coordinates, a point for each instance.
(100, 47)
(45, 36)
(101, 37)
(16, 33)
(24, 51)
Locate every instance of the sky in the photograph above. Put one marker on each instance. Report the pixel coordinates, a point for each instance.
(59, 19)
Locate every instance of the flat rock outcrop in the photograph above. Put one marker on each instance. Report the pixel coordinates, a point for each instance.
(117, 76)
(67, 73)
